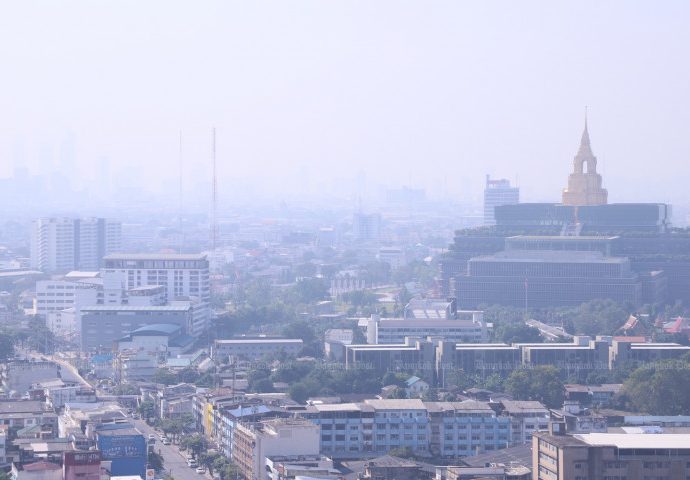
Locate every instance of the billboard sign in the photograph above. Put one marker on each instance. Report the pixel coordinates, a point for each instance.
(82, 458)
(121, 446)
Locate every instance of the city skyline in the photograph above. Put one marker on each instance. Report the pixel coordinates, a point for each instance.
(311, 96)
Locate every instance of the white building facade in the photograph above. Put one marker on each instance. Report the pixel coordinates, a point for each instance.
(60, 244)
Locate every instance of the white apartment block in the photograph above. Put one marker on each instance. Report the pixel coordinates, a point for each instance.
(69, 292)
(497, 193)
(395, 330)
(63, 244)
(182, 275)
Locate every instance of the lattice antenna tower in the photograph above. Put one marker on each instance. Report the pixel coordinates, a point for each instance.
(214, 194)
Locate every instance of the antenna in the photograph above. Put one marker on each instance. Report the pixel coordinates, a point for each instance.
(179, 213)
(214, 219)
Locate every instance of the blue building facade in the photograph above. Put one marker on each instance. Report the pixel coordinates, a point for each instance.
(125, 447)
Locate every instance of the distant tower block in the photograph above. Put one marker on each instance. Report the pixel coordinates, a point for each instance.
(585, 188)
(497, 193)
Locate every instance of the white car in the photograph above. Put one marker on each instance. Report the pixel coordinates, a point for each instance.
(200, 470)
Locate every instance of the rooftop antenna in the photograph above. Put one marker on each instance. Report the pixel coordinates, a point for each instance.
(214, 219)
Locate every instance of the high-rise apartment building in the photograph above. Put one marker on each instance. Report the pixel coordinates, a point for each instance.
(496, 193)
(60, 244)
(366, 227)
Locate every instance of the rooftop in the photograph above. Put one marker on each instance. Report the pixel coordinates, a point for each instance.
(396, 404)
(637, 440)
(129, 308)
(22, 406)
(549, 256)
(258, 340)
(157, 329)
(155, 256)
(524, 406)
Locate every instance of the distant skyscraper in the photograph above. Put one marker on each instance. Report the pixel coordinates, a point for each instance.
(367, 227)
(64, 244)
(496, 193)
(584, 188)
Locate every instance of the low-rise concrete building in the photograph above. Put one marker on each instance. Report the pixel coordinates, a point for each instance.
(255, 348)
(255, 442)
(557, 456)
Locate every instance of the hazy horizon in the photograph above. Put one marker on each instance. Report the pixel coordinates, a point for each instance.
(307, 96)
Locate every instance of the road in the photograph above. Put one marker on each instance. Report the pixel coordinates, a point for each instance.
(173, 461)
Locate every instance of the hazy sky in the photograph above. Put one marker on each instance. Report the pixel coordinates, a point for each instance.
(430, 93)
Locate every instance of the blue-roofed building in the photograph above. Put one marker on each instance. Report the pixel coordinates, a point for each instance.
(102, 365)
(416, 387)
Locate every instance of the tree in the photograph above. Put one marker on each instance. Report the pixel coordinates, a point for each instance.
(361, 298)
(661, 389)
(598, 317)
(263, 385)
(147, 409)
(399, 392)
(308, 290)
(208, 460)
(298, 392)
(126, 389)
(187, 375)
(172, 429)
(220, 463)
(6, 347)
(229, 472)
(540, 383)
(518, 333)
(155, 461)
(391, 378)
(165, 376)
(196, 443)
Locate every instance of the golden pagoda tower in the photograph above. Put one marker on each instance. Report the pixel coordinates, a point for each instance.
(584, 188)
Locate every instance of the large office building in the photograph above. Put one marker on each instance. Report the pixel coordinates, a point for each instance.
(594, 456)
(101, 325)
(182, 275)
(497, 193)
(64, 244)
(657, 252)
(547, 271)
(438, 359)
